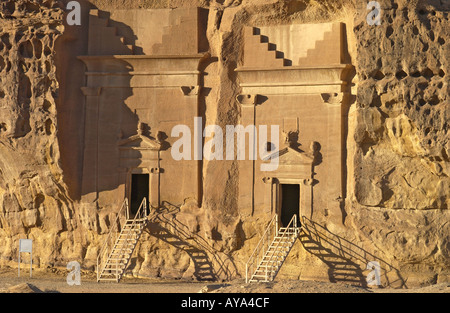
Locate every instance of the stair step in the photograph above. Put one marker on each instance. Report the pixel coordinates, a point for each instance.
(116, 259)
(123, 254)
(274, 256)
(137, 226)
(255, 275)
(279, 249)
(265, 263)
(132, 237)
(114, 250)
(129, 233)
(265, 266)
(124, 241)
(131, 227)
(111, 271)
(128, 225)
(113, 266)
(270, 264)
(123, 246)
(120, 246)
(123, 249)
(275, 251)
(272, 269)
(285, 238)
(129, 236)
(263, 272)
(280, 244)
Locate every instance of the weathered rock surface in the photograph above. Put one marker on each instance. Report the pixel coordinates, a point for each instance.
(33, 197)
(400, 150)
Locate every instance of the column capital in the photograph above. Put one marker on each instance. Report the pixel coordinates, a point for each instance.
(332, 98)
(156, 170)
(247, 100)
(190, 90)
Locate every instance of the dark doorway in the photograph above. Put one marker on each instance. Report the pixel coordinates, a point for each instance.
(290, 203)
(139, 191)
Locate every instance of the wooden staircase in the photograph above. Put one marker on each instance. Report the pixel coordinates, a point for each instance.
(271, 251)
(119, 246)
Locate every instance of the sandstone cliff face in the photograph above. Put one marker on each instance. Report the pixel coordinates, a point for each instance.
(32, 193)
(396, 206)
(400, 183)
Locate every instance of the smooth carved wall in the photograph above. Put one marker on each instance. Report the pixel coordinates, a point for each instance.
(306, 94)
(133, 101)
(137, 91)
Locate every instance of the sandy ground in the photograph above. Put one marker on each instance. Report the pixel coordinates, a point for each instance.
(54, 281)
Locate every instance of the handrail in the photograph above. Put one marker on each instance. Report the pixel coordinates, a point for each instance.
(262, 242)
(141, 214)
(285, 232)
(111, 239)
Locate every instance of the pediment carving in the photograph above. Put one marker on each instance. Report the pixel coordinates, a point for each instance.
(291, 156)
(140, 142)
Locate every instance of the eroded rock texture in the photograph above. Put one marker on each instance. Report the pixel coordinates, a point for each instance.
(402, 109)
(401, 154)
(32, 193)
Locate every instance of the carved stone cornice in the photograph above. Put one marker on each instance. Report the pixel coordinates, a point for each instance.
(295, 79)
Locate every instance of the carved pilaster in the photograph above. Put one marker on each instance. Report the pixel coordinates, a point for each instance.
(154, 187)
(246, 191)
(90, 168)
(269, 196)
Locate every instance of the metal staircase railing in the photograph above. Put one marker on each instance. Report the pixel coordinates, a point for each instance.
(119, 246)
(121, 219)
(261, 248)
(271, 251)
